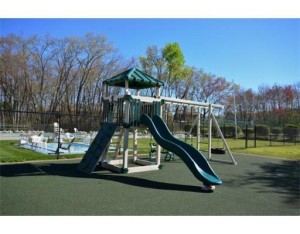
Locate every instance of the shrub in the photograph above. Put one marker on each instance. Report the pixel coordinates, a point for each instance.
(276, 131)
(187, 128)
(229, 131)
(262, 130)
(250, 132)
(204, 131)
(291, 131)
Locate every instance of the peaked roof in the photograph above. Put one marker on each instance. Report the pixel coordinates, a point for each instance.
(136, 78)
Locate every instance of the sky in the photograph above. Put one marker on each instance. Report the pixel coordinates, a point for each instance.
(250, 52)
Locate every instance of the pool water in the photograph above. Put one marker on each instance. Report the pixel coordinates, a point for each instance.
(50, 148)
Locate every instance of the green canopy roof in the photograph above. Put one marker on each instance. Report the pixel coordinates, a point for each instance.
(136, 79)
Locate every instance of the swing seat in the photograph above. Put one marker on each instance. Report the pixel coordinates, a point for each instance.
(218, 150)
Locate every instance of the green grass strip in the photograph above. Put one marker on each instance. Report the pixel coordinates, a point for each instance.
(10, 151)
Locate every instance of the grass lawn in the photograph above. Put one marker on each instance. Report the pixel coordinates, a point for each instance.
(288, 151)
(11, 152)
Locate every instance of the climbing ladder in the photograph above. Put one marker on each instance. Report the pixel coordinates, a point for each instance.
(117, 144)
(98, 148)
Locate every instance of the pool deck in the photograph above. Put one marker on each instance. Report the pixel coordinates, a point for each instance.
(6, 138)
(256, 186)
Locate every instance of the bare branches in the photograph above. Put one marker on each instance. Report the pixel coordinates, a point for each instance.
(48, 74)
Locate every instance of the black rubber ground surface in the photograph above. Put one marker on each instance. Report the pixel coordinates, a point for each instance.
(256, 186)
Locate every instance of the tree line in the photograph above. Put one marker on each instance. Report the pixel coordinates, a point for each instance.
(276, 105)
(46, 74)
(49, 74)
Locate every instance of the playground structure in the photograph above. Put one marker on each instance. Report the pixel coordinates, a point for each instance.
(124, 114)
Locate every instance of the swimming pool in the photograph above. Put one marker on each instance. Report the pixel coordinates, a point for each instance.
(50, 148)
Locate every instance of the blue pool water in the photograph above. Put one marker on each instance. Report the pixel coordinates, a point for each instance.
(50, 148)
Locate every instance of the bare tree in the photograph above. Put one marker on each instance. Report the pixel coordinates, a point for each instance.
(40, 64)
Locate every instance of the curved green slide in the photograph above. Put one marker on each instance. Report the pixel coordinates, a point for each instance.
(194, 160)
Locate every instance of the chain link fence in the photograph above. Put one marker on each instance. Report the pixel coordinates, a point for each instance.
(24, 121)
(255, 135)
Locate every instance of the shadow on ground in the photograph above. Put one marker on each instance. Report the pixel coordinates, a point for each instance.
(283, 176)
(69, 170)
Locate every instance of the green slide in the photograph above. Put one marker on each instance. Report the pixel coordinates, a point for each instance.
(194, 160)
(99, 144)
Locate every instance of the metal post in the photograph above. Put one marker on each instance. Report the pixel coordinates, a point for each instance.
(198, 128)
(270, 138)
(246, 137)
(209, 130)
(58, 116)
(255, 136)
(235, 119)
